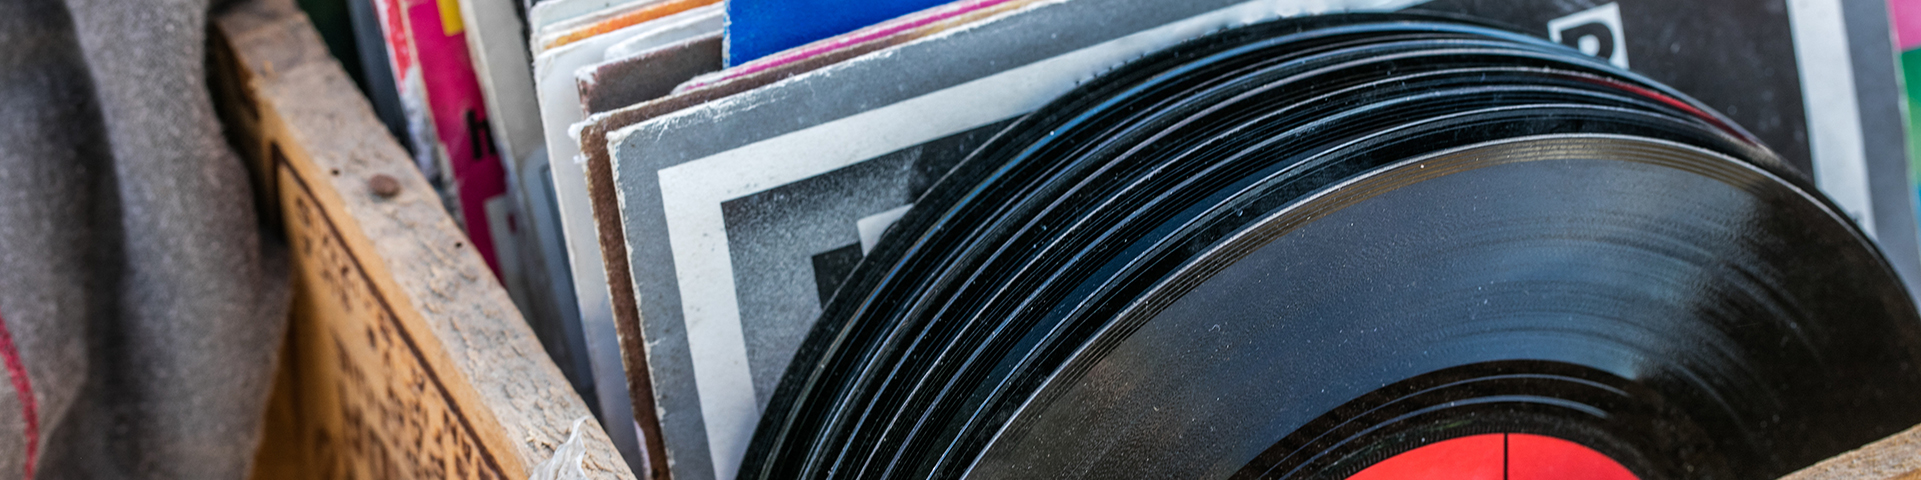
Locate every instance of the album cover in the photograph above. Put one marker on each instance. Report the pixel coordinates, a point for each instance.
(648, 74)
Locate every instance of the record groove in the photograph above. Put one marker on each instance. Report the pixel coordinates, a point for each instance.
(964, 343)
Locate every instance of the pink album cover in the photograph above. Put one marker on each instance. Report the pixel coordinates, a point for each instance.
(447, 116)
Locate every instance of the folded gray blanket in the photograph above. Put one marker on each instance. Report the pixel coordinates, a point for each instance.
(143, 308)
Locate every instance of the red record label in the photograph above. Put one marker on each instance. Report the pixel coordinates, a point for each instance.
(1499, 456)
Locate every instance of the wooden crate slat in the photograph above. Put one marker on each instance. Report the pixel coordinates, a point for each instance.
(406, 358)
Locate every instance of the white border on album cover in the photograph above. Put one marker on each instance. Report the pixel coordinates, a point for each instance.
(1833, 110)
(692, 192)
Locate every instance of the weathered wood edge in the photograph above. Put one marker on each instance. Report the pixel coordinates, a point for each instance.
(1897, 457)
(465, 323)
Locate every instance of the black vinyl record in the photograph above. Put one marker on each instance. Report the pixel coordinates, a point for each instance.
(1299, 248)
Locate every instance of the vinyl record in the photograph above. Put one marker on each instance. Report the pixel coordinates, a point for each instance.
(1311, 247)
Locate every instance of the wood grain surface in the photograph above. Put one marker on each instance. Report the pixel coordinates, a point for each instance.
(1897, 457)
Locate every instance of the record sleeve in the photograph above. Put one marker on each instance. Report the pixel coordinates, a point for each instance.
(858, 42)
(560, 104)
(708, 22)
(560, 175)
(761, 28)
(561, 35)
(647, 74)
(550, 12)
(747, 77)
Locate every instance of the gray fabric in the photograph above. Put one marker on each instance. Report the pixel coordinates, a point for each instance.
(147, 308)
(56, 210)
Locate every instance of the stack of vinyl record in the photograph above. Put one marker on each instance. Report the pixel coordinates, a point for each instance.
(1314, 248)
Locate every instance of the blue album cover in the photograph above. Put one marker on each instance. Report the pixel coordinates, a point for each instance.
(757, 28)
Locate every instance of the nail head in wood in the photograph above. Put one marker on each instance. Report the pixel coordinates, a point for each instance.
(384, 185)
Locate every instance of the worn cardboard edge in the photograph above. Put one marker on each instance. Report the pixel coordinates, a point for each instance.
(549, 12)
(606, 211)
(550, 70)
(468, 332)
(650, 74)
(558, 36)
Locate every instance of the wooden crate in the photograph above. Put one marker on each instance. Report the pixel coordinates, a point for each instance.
(405, 359)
